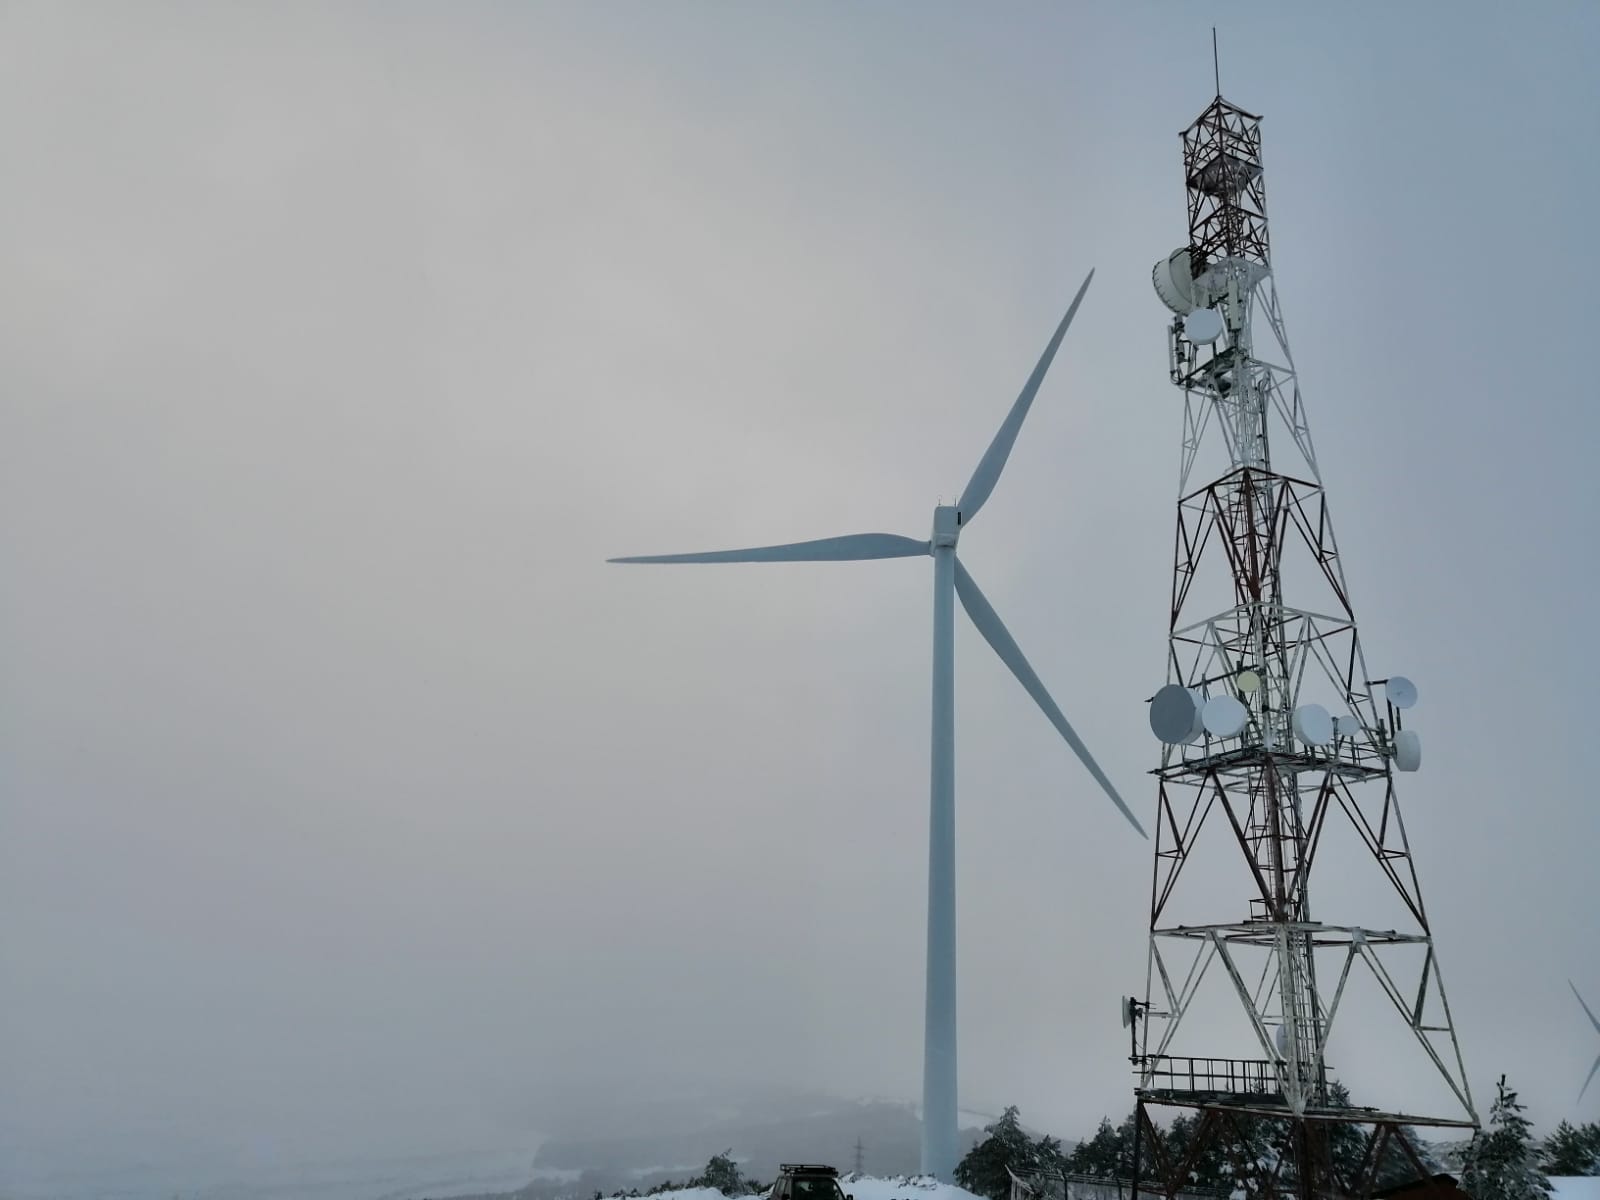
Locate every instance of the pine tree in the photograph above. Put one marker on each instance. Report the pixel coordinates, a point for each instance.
(1006, 1146)
(1206, 1171)
(1502, 1163)
(721, 1173)
(1049, 1157)
(1572, 1150)
(1397, 1167)
(1101, 1156)
(1347, 1141)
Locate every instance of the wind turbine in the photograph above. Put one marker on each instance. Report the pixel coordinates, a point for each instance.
(950, 579)
(1596, 1023)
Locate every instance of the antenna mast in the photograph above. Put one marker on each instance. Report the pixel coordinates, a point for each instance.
(1273, 732)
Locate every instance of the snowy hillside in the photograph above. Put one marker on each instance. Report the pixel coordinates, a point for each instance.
(604, 1152)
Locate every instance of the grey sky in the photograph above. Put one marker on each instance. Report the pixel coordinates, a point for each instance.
(351, 800)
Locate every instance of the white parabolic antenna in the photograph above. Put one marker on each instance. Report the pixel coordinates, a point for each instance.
(1174, 282)
(1203, 326)
(1313, 725)
(1247, 681)
(1224, 717)
(1407, 750)
(1347, 726)
(1402, 692)
(1175, 714)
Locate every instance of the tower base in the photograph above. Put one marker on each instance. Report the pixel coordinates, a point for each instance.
(1268, 1152)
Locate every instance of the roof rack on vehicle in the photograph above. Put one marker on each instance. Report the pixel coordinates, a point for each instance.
(807, 1169)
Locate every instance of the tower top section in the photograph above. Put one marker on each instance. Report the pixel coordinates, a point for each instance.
(1227, 192)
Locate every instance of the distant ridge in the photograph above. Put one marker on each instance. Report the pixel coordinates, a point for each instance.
(761, 1133)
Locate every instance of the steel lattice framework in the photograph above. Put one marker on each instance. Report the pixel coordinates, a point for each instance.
(1261, 612)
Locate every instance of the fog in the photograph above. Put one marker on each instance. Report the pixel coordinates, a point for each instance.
(353, 804)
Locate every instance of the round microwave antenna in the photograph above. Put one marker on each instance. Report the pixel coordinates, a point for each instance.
(1247, 681)
(1224, 717)
(1407, 750)
(1174, 282)
(1129, 1010)
(1313, 725)
(1347, 726)
(1402, 692)
(1175, 714)
(1203, 326)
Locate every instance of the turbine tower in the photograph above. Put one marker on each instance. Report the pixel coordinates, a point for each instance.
(950, 580)
(1274, 734)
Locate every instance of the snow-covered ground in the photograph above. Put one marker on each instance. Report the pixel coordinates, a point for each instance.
(869, 1188)
(916, 1188)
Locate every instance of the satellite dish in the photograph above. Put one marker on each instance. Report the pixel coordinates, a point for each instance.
(1402, 692)
(1175, 714)
(1313, 725)
(1283, 1040)
(1203, 325)
(1407, 750)
(1247, 681)
(1347, 727)
(1129, 1010)
(1224, 717)
(1175, 282)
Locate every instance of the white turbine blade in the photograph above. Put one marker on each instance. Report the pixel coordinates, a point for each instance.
(1589, 1080)
(994, 458)
(839, 549)
(1586, 1009)
(996, 634)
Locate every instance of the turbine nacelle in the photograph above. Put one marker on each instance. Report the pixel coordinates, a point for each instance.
(946, 526)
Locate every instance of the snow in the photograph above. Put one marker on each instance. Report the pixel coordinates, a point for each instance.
(1576, 1187)
(916, 1188)
(870, 1188)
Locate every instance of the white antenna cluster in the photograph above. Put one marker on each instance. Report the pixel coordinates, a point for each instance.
(1181, 715)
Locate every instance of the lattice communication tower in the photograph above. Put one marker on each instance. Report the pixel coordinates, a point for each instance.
(1277, 742)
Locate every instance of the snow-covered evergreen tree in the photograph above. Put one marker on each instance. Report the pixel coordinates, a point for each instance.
(1397, 1167)
(1572, 1150)
(1210, 1168)
(1107, 1155)
(1048, 1156)
(1006, 1146)
(1347, 1141)
(1502, 1163)
(721, 1173)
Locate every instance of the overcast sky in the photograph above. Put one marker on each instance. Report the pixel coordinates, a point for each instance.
(352, 802)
